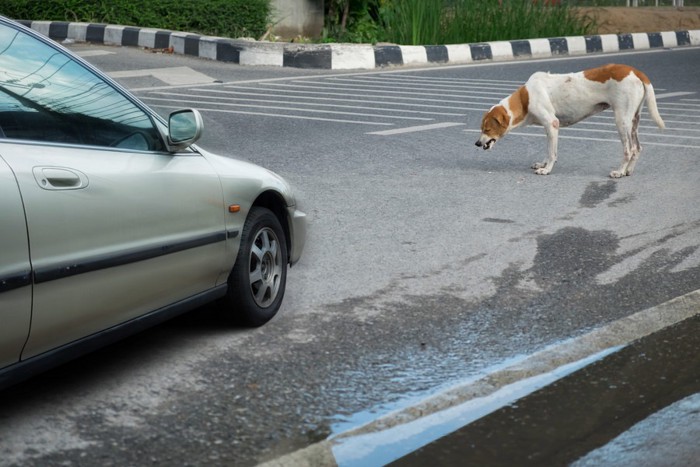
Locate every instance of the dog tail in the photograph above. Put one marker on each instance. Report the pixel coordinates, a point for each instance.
(651, 105)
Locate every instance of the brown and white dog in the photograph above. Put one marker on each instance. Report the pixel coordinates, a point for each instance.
(560, 100)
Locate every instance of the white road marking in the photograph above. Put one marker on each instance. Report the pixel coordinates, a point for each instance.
(673, 94)
(683, 105)
(345, 94)
(295, 117)
(690, 109)
(614, 131)
(92, 53)
(293, 109)
(336, 99)
(356, 87)
(272, 101)
(412, 129)
(644, 127)
(606, 140)
(175, 76)
(406, 83)
(438, 79)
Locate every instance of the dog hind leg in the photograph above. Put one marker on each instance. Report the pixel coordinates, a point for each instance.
(636, 146)
(624, 128)
(627, 107)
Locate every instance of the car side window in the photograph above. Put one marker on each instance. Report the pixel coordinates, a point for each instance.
(45, 95)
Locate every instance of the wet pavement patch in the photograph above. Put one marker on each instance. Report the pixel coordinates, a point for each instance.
(564, 421)
(596, 193)
(575, 255)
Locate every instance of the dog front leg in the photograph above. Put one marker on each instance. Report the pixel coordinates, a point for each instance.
(552, 130)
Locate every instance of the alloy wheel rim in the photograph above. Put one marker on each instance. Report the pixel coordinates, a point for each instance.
(265, 267)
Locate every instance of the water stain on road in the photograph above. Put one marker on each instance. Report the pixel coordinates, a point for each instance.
(596, 193)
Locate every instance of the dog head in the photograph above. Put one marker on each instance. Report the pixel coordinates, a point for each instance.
(494, 125)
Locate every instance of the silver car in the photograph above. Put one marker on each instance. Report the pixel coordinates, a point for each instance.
(111, 219)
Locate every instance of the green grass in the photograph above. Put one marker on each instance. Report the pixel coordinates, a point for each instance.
(414, 21)
(426, 22)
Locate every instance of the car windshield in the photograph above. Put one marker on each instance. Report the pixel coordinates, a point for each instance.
(45, 95)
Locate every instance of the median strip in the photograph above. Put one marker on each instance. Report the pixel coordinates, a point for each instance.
(356, 56)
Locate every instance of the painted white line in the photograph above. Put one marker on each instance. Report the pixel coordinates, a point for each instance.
(644, 143)
(683, 104)
(605, 140)
(349, 87)
(687, 119)
(673, 94)
(175, 76)
(308, 104)
(485, 82)
(293, 117)
(675, 110)
(614, 131)
(407, 83)
(92, 53)
(344, 94)
(413, 129)
(646, 127)
(270, 93)
(291, 109)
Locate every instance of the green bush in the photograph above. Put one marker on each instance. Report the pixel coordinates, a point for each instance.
(428, 22)
(227, 18)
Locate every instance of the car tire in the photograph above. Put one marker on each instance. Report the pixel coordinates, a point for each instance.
(258, 279)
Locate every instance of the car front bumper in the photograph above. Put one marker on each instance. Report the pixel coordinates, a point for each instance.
(297, 233)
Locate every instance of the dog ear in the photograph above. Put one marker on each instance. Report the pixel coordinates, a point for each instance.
(502, 118)
(483, 119)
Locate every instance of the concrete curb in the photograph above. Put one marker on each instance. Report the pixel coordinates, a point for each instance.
(355, 56)
(616, 334)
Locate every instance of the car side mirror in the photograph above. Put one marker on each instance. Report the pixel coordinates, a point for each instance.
(184, 129)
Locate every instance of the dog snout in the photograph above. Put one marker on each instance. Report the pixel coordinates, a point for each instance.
(485, 143)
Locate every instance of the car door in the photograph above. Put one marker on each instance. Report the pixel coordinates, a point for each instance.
(15, 270)
(114, 235)
(117, 226)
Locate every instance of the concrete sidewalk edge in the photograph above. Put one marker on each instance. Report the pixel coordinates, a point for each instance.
(618, 333)
(355, 56)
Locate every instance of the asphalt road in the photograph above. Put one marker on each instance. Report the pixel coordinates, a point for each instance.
(428, 261)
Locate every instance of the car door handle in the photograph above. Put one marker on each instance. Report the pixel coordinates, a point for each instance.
(60, 178)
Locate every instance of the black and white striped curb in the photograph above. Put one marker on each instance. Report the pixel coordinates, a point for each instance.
(355, 56)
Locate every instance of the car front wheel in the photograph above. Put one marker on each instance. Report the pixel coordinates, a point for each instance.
(258, 279)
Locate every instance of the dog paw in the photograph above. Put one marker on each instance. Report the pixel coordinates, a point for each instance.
(617, 174)
(542, 171)
(539, 165)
